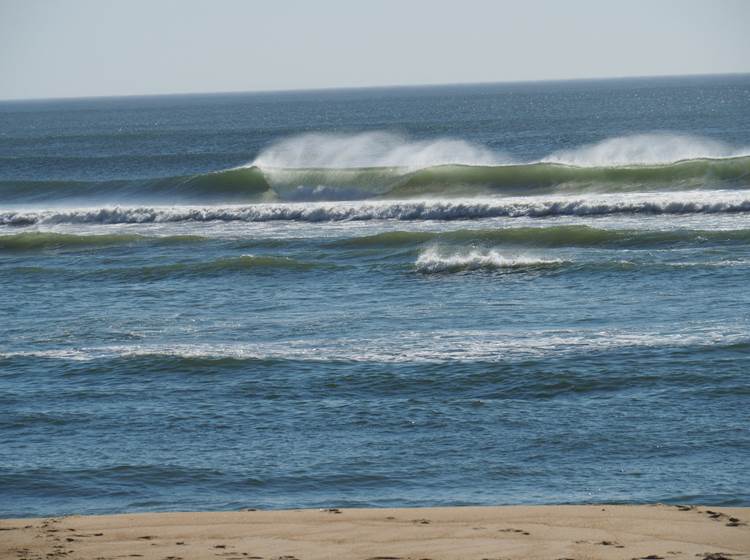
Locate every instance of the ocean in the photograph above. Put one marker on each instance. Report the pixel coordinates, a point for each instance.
(515, 293)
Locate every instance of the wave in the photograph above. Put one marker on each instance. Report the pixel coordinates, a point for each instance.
(385, 149)
(325, 167)
(645, 149)
(231, 185)
(218, 266)
(34, 241)
(552, 178)
(243, 264)
(255, 184)
(552, 236)
(416, 346)
(718, 202)
(372, 150)
(436, 260)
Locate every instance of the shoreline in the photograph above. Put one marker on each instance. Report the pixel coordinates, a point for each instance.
(441, 533)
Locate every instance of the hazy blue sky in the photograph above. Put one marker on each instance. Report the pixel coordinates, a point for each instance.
(61, 48)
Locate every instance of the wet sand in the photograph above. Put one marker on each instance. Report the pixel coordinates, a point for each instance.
(515, 532)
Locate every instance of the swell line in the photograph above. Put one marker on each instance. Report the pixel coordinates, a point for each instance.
(266, 184)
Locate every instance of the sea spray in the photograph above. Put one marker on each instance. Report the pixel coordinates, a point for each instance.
(440, 260)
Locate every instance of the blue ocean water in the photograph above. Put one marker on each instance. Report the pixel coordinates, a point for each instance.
(495, 294)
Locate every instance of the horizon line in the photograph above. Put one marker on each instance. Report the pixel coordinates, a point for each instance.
(366, 87)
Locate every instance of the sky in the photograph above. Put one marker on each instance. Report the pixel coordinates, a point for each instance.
(81, 48)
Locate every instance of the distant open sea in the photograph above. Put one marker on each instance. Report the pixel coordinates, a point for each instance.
(492, 294)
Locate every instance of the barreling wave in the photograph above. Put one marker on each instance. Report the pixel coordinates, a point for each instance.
(549, 237)
(718, 202)
(242, 264)
(381, 164)
(335, 167)
(553, 178)
(256, 184)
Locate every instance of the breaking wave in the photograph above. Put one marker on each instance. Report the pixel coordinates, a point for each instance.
(372, 150)
(329, 167)
(436, 260)
(451, 209)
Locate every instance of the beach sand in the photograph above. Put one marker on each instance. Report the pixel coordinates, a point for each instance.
(528, 532)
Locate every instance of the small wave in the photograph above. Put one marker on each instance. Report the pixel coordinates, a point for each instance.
(215, 267)
(435, 260)
(417, 346)
(34, 241)
(231, 185)
(551, 236)
(220, 266)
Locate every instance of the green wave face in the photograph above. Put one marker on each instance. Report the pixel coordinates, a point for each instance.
(253, 184)
(230, 186)
(233, 185)
(518, 180)
(217, 267)
(543, 178)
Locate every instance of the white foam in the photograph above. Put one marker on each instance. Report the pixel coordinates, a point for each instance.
(387, 149)
(442, 346)
(644, 149)
(693, 202)
(372, 149)
(437, 260)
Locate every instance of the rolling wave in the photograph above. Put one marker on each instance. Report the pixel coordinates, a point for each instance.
(376, 165)
(232, 185)
(551, 178)
(552, 236)
(218, 266)
(256, 184)
(34, 241)
(435, 260)
(242, 264)
(452, 209)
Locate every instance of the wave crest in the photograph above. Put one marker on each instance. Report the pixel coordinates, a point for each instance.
(436, 260)
(718, 202)
(334, 167)
(372, 149)
(645, 149)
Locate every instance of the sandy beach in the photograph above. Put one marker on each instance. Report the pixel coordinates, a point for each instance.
(529, 532)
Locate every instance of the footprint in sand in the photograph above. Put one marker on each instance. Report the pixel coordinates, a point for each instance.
(611, 543)
(520, 531)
